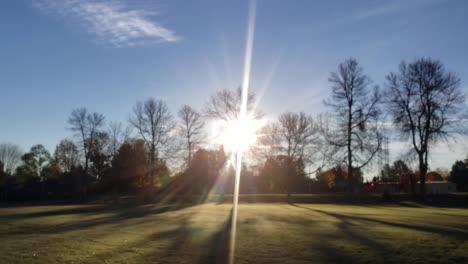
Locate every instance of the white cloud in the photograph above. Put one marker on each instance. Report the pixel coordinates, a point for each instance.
(113, 22)
(389, 7)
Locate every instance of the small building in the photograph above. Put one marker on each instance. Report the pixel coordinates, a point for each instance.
(439, 187)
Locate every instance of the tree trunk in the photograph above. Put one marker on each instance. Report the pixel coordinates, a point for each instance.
(289, 180)
(422, 177)
(189, 158)
(152, 166)
(350, 152)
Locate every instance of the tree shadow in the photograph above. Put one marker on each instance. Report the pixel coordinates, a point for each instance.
(219, 244)
(118, 214)
(64, 211)
(435, 230)
(186, 244)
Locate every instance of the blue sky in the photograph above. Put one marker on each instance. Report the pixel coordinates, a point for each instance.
(106, 55)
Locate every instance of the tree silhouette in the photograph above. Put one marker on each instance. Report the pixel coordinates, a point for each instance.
(67, 155)
(86, 126)
(225, 105)
(10, 156)
(296, 138)
(98, 155)
(117, 136)
(459, 175)
(129, 167)
(154, 123)
(356, 138)
(191, 129)
(425, 103)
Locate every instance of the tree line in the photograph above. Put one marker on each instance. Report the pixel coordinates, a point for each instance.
(422, 101)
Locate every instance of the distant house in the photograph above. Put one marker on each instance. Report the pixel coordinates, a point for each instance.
(432, 187)
(433, 176)
(439, 187)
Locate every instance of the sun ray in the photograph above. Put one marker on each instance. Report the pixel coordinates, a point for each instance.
(242, 117)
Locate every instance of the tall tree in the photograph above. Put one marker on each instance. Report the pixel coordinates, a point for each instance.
(36, 160)
(204, 170)
(10, 156)
(35, 163)
(129, 167)
(268, 142)
(117, 136)
(154, 123)
(356, 138)
(426, 104)
(296, 135)
(67, 155)
(191, 128)
(41, 158)
(98, 155)
(225, 105)
(296, 138)
(86, 126)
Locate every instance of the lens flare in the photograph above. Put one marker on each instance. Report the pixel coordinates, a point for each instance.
(242, 116)
(237, 135)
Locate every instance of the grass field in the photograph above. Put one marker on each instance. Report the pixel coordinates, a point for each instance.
(267, 233)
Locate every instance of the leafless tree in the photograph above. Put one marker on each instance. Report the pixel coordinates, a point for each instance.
(85, 126)
(226, 104)
(117, 136)
(67, 155)
(426, 105)
(355, 136)
(10, 156)
(191, 128)
(268, 142)
(155, 125)
(296, 135)
(295, 138)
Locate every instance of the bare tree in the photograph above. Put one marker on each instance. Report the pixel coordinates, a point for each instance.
(67, 155)
(191, 128)
(296, 138)
(117, 136)
(296, 135)
(268, 142)
(226, 104)
(426, 104)
(154, 123)
(355, 138)
(86, 126)
(10, 156)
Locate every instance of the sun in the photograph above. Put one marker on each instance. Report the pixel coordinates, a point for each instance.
(238, 134)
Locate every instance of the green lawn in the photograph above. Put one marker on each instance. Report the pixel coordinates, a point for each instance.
(266, 233)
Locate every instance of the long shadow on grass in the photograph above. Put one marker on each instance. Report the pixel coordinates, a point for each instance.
(184, 243)
(118, 214)
(365, 248)
(92, 209)
(213, 250)
(434, 230)
(218, 244)
(114, 252)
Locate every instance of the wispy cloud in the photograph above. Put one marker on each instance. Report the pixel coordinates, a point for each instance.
(389, 7)
(114, 22)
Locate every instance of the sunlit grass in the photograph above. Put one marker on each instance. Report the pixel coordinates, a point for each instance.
(266, 233)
